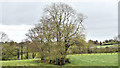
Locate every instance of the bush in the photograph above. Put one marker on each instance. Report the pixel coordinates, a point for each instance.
(57, 54)
(80, 46)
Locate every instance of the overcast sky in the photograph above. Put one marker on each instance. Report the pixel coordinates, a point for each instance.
(102, 22)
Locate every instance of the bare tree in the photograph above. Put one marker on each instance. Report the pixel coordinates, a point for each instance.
(66, 23)
(57, 28)
(117, 38)
(3, 37)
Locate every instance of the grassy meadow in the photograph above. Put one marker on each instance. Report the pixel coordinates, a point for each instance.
(106, 46)
(99, 59)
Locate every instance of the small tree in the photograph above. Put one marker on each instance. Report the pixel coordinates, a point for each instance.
(9, 52)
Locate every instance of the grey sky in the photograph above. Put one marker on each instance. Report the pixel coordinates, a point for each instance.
(22, 13)
(101, 24)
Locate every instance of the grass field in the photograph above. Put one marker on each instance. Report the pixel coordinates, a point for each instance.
(104, 46)
(104, 59)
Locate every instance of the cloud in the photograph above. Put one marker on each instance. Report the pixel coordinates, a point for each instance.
(102, 22)
(15, 32)
(59, 1)
(21, 13)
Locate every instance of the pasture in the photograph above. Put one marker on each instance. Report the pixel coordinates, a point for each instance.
(99, 59)
(106, 46)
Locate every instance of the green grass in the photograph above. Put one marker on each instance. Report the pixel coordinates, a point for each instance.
(105, 46)
(104, 59)
(27, 62)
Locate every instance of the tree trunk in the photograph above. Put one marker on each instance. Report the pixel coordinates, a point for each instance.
(33, 56)
(50, 61)
(27, 53)
(42, 58)
(21, 52)
(18, 54)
